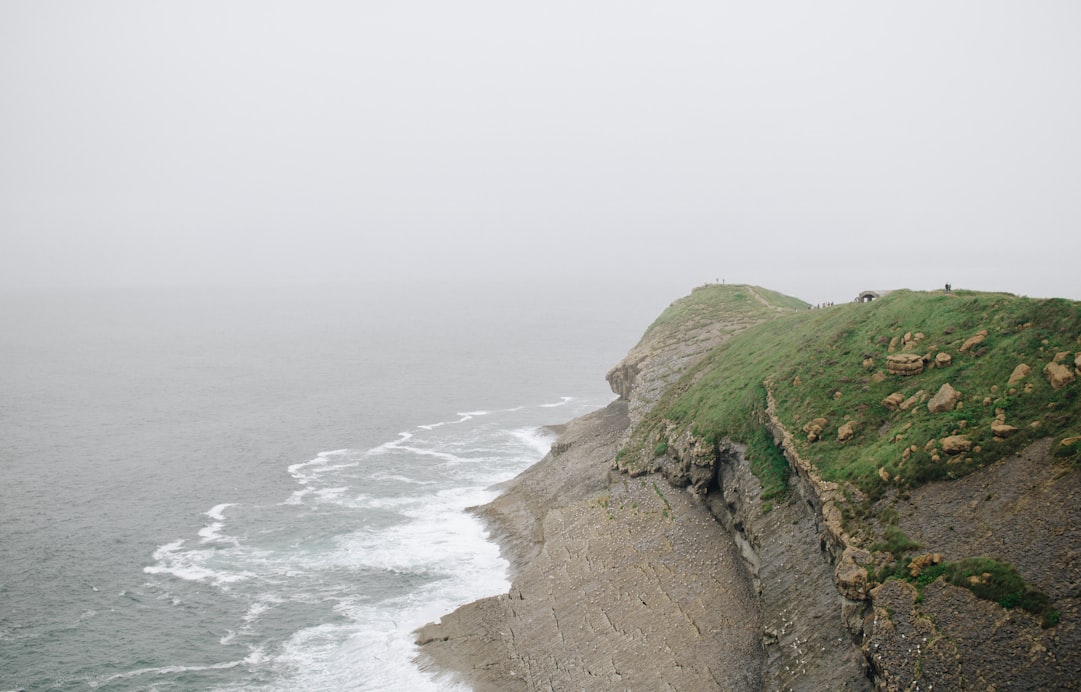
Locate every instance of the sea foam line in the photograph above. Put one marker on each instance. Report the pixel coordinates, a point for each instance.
(254, 657)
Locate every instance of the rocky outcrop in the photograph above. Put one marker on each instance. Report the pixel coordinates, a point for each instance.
(974, 340)
(893, 401)
(1019, 374)
(846, 432)
(1058, 375)
(956, 444)
(917, 398)
(814, 428)
(689, 460)
(944, 400)
(783, 548)
(1002, 430)
(904, 364)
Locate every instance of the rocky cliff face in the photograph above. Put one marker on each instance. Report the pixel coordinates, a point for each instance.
(670, 571)
(825, 627)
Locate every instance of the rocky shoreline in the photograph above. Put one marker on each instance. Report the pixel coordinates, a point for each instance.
(619, 583)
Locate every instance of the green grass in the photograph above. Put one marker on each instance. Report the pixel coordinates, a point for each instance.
(993, 580)
(815, 362)
(896, 542)
(740, 305)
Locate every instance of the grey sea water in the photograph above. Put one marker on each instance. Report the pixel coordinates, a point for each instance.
(264, 489)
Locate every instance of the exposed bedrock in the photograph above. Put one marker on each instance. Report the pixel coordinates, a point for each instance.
(784, 550)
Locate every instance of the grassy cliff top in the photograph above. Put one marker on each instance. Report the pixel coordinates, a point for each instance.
(857, 383)
(720, 302)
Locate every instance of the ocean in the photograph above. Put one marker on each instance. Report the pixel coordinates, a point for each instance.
(266, 489)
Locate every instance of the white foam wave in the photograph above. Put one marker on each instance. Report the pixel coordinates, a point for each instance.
(331, 494)
(297, 498)
(398, 478)
(191, 565)
(393, 444)
(417, 537)
(217, 511)
(264, 603)
(536, 440)
(164, 670)
(303, 471)
(445, 456)
(440, 538)
(212, 533)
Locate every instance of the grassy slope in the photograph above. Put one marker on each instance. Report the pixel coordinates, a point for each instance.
(713, 303)
(827, 349)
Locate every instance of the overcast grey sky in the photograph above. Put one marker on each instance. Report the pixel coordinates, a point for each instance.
(817, 148)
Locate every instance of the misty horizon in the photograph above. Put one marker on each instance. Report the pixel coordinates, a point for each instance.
(814, 150)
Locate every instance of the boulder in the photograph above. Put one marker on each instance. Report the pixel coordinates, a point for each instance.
(917, 398)
(904, 364)
(918, 563)
(814, 429)
(893, 401)
(943, 360)
(946, 398)
(974, 340)
(956, 444)
(1000, 429)
(1058, 375)
(850, 576)
(846, 432)
(1019, 373)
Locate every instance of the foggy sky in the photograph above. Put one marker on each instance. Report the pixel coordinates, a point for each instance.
(814, 148)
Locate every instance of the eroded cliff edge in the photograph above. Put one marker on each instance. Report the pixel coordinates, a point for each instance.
(669, 568)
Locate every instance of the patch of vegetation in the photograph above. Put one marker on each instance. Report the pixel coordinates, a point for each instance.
(663, 498)
(713, 303)
(1069, 450)
(831, 364)
(661, 448)
(895, 542)
(993, 580)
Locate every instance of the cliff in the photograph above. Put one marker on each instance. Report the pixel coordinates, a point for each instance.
(865, 496)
